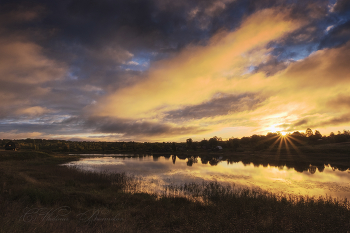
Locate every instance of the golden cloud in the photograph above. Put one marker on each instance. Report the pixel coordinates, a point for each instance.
(199, 72)
(302, 90)
(24, 62)
(33, 111)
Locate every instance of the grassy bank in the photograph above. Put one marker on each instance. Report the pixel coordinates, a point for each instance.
(37, 195)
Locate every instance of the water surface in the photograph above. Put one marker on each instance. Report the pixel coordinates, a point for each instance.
(157, 172)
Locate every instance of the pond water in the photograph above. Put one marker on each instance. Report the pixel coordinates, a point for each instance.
(157, 172)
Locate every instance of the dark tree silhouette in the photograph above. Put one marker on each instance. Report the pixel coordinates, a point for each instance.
(204, 144)
(318, 135)
(214, 141)
(309, 132)
(189, 143)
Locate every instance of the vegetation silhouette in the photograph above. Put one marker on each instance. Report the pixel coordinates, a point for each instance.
(32, 185)
(296, 150)
(276, 142)
(31, 177)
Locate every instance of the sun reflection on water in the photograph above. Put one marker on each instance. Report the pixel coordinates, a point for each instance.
(155, 175)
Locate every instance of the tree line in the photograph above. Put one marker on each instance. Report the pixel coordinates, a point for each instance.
(256, 142)
(260, 142)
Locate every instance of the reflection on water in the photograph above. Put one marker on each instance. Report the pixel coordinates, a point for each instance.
(157, 172)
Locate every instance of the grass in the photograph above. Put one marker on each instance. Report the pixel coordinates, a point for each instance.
(37, 195)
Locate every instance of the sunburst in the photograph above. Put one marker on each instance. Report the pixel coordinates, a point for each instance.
(285, 140)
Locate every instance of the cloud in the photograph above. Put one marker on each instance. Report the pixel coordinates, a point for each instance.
(271, 66)
(198, 73)
(133, 63)
(33, 111)
(14, 134)
(23, 62)
(129, 129)
(302, 122)
(314, 90)
(338, 35)
(140, 129)
(170, 69)
(219, 105)
(24, 71)
(341, 6)
(341, 101)
(321, 69)
(15, 14)
(335, 121)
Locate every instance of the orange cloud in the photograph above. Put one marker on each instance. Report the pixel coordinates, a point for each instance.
(13, 134)
(199, 72)
(301, 92)
(33, 111)
(313, 91)
(24, 62)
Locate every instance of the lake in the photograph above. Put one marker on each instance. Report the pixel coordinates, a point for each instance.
(156, 172)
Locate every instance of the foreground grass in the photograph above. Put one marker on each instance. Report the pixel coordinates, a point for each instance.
(37, 195)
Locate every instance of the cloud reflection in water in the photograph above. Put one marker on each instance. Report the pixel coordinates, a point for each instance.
(157, 172)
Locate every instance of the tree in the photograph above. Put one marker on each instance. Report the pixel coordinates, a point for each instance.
(191, 161)
(254, 139)
(309, 132)
(318, 135)
(233, 143)
(204, 144)
(189, 143)
(245, 140)
(297, 134)
(173, 146)
(213, 142)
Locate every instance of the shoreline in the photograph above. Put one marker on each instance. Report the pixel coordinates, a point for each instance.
(34, 180)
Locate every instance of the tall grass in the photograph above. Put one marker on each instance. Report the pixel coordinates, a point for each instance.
(214, 192)
(206, 207)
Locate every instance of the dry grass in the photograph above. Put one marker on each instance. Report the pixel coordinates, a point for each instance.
(36, 195)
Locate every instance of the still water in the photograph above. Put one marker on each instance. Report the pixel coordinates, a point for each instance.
(157, 172)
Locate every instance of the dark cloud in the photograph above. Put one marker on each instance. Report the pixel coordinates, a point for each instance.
(342, 6)
(130, 128)
(45, 129)
(312, 36)
(60, 99)
(296, 125)
(335, 121)
(337, 36)
(340, 102)
(142, 24)
(314, 122)
(322, 69)
(301, 122)
(220, 105)
(271, 66)
(57, 57)
(131, 24)
(96, 37)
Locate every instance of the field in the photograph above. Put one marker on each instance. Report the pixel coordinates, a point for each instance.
(38, 195)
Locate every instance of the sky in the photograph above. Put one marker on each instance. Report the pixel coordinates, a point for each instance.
(162, 70)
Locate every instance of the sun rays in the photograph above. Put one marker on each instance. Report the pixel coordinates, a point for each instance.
(283, 142)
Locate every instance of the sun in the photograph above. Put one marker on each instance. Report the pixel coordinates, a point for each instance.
(273, 129)
(283, 141)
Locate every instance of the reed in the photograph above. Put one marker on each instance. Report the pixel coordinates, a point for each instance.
(38, 183)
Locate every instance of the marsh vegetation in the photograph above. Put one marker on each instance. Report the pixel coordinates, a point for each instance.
(32, 185)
